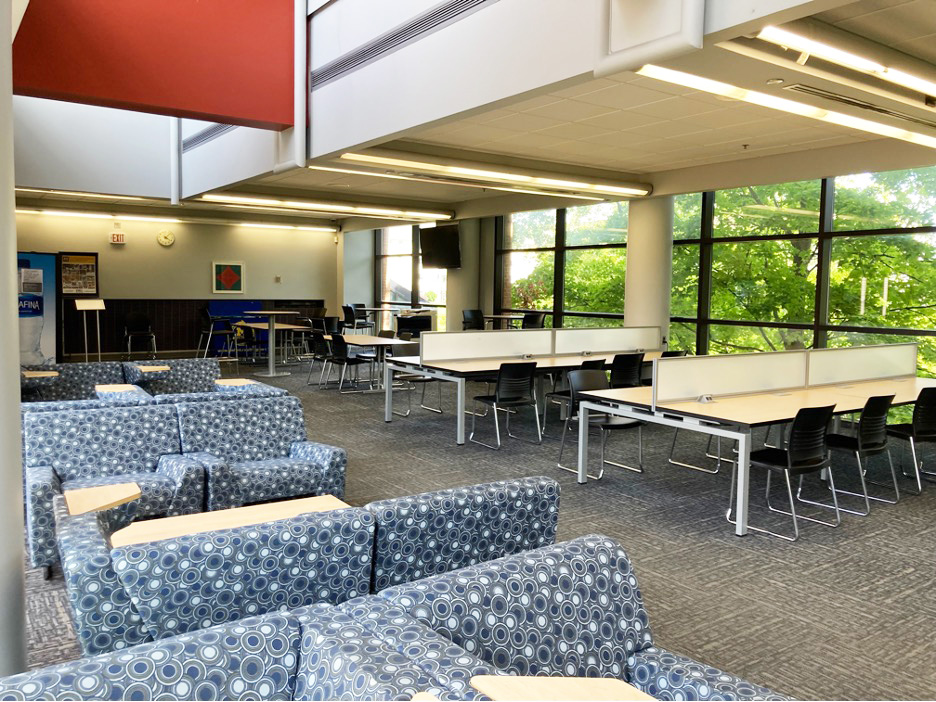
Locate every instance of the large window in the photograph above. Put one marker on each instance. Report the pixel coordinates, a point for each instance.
(403, 282)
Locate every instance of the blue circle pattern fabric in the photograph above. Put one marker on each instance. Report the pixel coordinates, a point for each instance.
(76, 381)
(200, 580)
(184, 375)
(436, 532)
(573, 609)
(252, 659)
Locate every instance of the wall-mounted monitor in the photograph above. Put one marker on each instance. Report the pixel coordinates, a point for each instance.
(440, 247)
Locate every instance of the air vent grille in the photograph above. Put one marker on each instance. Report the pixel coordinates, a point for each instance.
(205, 135)
(432, 20)
(860, 104)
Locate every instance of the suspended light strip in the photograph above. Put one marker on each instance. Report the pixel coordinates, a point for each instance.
(72, 193)
(99, 215)
(498, 176)
(324, 207)
(459, 183)
(260, 225)
(832, 54)
(753, 97)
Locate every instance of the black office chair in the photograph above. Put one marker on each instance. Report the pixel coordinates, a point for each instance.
(210, 327)
(806, 452)
(582, 381)
(320, 352)
(352, 321)
(341, 357)
(870, 439)
(137, 326)
(472, 319)
(921, 429)
(562, 397)
(533, 320)
(626, 369)
(513, 390)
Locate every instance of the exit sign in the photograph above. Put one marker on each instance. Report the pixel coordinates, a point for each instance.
(117, 238)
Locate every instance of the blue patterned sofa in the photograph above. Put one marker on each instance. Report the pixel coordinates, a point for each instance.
(76, 381)
(436, 532)
(256, 390)
(86, 448)
(255, 450)
(184, 375)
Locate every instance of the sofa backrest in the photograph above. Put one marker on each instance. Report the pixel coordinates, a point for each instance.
(255, 391)
(569, 609)
(105, 441)
(200, 580)
(251, 429)
(185, 375)
(254, 658)
(436, 532)
(76, 381)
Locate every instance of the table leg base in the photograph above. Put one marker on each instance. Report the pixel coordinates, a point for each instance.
(268, 374)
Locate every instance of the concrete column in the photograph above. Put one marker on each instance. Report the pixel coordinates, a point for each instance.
(13, 610)
(461, 289)
(649, 263)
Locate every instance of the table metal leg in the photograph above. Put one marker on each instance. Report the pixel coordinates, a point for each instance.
(271, 371)
(460, 411)
(388, 393)
(744, 472)
(583, 444)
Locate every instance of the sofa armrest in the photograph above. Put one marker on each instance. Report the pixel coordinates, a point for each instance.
(42, 484)
(189, 477)
(222, 490)
(669, 676)
(332, 459)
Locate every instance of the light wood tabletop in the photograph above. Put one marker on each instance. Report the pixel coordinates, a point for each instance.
(235, 382)
(119, 387)
(34, 374)
(423, 697)
(268, 313)
(277, 326)
(371, 340)
(95, 499)
(542, 688)
(153, 369)
(172, 527)
(487, 365)
(904, 389)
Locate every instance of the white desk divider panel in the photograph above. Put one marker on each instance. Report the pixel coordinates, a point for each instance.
(606, 340)
(690, 377)
(856, 363)
(474, 345)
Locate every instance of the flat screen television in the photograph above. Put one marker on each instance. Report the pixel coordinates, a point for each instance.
(440, 247)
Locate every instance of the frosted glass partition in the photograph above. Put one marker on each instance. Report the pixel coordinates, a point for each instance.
(689, 377)
(453, 346)
(607, 340)
(862, 363)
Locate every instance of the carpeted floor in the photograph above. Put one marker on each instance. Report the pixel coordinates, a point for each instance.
(844, 613)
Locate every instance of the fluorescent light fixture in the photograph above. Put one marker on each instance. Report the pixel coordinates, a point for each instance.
(832, 54)
(261, 225)
(323, 207)
(512, 178)
(73, 193)
(753, 97)
(99, 215)
(459, 183)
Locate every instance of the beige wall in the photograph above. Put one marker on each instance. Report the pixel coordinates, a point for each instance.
(307, 262)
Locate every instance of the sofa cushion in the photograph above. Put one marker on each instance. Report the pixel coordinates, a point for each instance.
(156, 491)
(97, 442)
(250, 659)
(246, 430)
(436, 532)
(76, 381)
(569, 609)
(200, 580)
(276, 478)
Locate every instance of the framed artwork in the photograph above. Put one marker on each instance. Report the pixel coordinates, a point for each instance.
(227, 277)
(78, 274)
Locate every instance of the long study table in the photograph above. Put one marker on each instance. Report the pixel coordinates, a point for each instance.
(735, 416)
(459, 372)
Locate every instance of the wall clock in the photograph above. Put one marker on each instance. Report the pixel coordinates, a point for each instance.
(165, 238)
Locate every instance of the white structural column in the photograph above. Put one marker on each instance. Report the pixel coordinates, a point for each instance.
(12, 613)
(649, 263)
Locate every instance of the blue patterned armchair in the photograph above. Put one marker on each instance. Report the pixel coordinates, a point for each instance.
(254, 658)
(436, 532)
(201, 580)
(259, 390)
(254, 450)
(76, 381)
(87, 448)
(185, 375)
(573, 609)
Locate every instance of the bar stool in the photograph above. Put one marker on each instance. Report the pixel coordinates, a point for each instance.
(922, 428)
(806, 452)
(514, 389)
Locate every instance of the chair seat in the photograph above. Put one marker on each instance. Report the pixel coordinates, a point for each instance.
(416, 378)
(277, 478)
(844, 442)
(611, 423)
(504, 401)
(156, 490)
(776, 459)
(905, 431)
(350, 361)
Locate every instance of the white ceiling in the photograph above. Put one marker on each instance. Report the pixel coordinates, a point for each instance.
(906, 25)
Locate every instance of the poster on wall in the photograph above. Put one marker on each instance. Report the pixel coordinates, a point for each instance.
(36, 284)
(227, 277)
(79, 274)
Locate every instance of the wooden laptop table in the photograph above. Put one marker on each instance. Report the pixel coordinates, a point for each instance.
(95, 499)
(542, 688)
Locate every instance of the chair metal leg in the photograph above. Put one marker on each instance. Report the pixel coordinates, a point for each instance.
(693, 466)
(799, 498)
(917, 469)
(539, 430)
(759, 530)
(863, 494)
(896, 499)
(422, 402)
(474, 417)
(565, 431)
(605, 435)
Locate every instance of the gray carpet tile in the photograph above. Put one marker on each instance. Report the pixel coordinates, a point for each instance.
(844, 613)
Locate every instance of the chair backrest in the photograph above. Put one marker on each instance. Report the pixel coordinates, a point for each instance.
(348, 315)
(872, 424)
(405, 335)
(251, 429)
(585, 381)
(472, 319)
(436, 532)
(593, 364)
(204, 316)
(220, 576)
(571, 628)
(359, 312)
(339, 347)
(385, 334)
(101, 442)
(924, 414)
(807, 444)
(533, 320)
(137, 323)
(320, 345)
(317, 312)
(626, 370)
(515, 381)
(674, 353)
